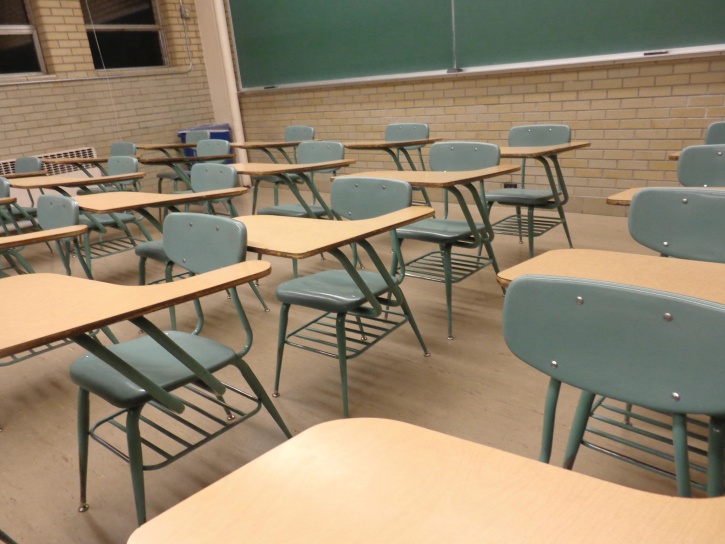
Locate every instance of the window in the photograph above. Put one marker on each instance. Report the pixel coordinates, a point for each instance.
(19, 50)
(123, 33)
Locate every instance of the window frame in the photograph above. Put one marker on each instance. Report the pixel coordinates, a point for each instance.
(157, 27)
(25, 30)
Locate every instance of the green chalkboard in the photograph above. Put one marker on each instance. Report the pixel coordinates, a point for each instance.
(297, 41)
(291, 41)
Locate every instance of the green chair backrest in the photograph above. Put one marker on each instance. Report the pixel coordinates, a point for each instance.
(309, 152)
(396, 132)
(122, 149)
(201, 242)
(702, 165)
(531, 135)
(194, 136)
(55, 211)
(209, 147)
(682, 223)
(122, 165)
(4, 188)
(715, 133)
(299, 133)
(363, 198)
(28, 164)
(211, 176)
(457, 156)
(654, 349)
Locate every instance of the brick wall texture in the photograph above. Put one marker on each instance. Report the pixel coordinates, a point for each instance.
(633, 115)
(74, 105)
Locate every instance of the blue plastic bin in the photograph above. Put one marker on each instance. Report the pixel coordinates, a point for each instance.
(218, 131)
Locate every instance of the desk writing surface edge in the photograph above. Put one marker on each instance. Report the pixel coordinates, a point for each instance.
(367, 480)
(270, 168)
(270, 235)
(541, 151)
(680, 276)
(64, 306)
(36, 236)
(117, 201)
(434, 178)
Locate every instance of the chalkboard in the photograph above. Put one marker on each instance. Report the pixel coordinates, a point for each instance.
(296, 41)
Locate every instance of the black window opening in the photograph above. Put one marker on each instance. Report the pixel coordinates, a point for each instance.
(123, 34)
(19, 48)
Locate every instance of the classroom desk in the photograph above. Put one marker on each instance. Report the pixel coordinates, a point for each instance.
(139, 202)
(80, 163)
(177, 147)
(267, 147)
(68, 307)
(9, 245)
(392, 148)
(301, 237)
(282, 171)
(57, 182)
(680, 276)
(16, 175)
(624, 198)
(175, 163)
(675, 156)
(373, 480)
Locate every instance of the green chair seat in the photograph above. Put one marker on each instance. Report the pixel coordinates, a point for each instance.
(157, 364)
(521, 197)
(330, 291)
(106, 219)
(293, 210)
(152, 250)
(438, 231)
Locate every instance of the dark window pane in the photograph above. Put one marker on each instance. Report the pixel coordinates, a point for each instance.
(12, 12)
(125, 49)
(17, 54)
(118, 12)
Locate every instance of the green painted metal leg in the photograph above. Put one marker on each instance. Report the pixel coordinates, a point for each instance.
(281, 337)
(83, 426)
(547, 434)
(518, 220)
(294, 267)
(715, 466)
(169, 274)
(342, 359)
(530, 231)
(262, 395)
(135, 461)
(682, 462)
(259, 296)
(85, 265)
(142, 271)
(255, 190)
(578, 426)
(448, 275)
(5, 538)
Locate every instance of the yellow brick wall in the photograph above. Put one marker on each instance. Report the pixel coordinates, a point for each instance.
(633, 115)
(74, 105)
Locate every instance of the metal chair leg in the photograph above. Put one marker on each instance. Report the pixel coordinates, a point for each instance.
(281, 337)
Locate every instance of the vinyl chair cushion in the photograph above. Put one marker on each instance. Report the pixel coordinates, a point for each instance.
(106, 220)
(438, 231)
(146, 356)
(520, 197)
(152, 250)
(293, 210)
(330, 291)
